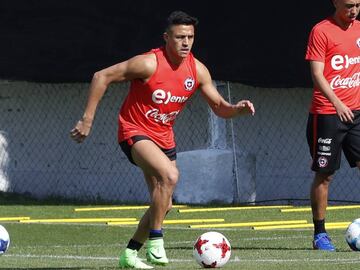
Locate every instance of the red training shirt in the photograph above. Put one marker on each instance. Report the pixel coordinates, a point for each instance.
(339, 50)
(151, 108)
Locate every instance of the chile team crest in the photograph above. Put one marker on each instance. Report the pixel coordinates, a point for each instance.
(189, 84)
(358, 42)
(322, 162)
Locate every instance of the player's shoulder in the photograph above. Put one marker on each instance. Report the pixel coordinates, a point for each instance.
(141, 66)
(145, 57)
(357, 23)
(199, 65)
(148, 60)
(202, 71)
(324, 24)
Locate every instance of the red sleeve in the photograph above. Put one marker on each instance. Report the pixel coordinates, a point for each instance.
(316, 48)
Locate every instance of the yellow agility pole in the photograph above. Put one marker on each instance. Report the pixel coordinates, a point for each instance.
(75, 220)
(308, 209)
(13, 218)
(110, 208)
(249, 224)
(175, 221)
(213, 209)
(330, 225)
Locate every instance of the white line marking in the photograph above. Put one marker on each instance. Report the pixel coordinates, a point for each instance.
(167, 242)
(274, 238)
(68, 257)
(235, 260)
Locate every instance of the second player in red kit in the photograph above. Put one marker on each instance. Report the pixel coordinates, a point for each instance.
(334, 119)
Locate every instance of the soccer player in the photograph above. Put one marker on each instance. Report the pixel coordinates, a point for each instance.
(334, 120)
(162, 80)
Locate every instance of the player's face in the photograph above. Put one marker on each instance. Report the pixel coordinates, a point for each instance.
(347, 10)
(179, 40)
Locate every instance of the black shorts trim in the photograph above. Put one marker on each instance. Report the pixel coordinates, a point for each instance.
(127, 144)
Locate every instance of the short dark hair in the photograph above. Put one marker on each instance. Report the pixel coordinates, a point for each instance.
(180, 17)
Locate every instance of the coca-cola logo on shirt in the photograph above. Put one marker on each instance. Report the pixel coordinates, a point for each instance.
(339, 62)
(161, 117)
(339, 82)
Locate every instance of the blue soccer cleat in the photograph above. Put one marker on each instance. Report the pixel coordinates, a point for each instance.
(323, 242)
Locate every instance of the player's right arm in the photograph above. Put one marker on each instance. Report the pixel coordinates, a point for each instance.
(217, 103)
(319, 80)
(139, 67)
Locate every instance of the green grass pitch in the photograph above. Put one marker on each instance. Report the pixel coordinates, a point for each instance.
(97, 245)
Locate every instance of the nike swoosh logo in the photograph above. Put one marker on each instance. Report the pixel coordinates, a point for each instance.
(156, 257)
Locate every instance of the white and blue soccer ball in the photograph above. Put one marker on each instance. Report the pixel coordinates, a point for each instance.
(352, 235)
(4, 240)
(212, 250)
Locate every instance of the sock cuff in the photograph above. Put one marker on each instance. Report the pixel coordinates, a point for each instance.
(134, 245)
(155, 234)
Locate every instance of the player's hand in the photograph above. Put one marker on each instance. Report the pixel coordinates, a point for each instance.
(344, 113)
(245, 107)
(81, 130)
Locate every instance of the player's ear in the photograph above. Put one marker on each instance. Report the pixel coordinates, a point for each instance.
(166, 36)
(335, 3)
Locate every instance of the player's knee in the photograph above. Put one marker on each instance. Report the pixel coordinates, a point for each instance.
(168, 177)
(324, 178)
(172, 176)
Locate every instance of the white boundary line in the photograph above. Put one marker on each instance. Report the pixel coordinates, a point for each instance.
(122, 244)
(235, 260)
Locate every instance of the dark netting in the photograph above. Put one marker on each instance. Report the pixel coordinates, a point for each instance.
(247, 159)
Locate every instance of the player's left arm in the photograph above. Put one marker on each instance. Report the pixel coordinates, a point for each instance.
(319, 80)
(218, 104)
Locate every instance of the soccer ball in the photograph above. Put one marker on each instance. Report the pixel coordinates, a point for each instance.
(352, 235)
(212, 250)
(4, 240)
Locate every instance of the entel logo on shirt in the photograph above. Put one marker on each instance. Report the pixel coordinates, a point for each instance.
(339, 62)
(159, 96)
